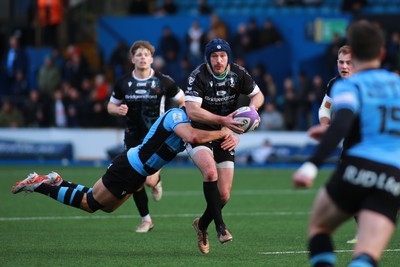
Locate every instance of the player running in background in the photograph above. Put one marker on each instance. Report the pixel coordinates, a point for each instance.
(212, 93)
(345, 69)
(367, 179)
(128, 171)
(140, 98)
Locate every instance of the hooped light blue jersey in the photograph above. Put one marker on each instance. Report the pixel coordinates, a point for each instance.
(160, 145)
(374, 97)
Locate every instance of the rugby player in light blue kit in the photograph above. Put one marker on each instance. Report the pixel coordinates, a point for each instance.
(367, 180)
(129, 170)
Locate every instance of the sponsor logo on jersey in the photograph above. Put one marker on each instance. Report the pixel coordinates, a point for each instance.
(140, 92)
(221, 93)
(142, 84)
(177, 117)
(129, 84)
(211, 83)
(153, 84)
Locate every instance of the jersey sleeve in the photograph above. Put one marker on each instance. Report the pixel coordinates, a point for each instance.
(118, 94)
(249, 86)
(172, 89)
(174, 118)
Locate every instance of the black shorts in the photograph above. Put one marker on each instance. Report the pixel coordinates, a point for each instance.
(121, 179)
(220, 155)
(364, 184)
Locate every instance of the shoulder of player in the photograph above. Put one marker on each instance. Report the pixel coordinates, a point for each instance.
(163, 77)
(331, 83)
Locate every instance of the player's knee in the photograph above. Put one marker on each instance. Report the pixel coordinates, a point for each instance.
(225, 195)
(92, 204)
(210, 175)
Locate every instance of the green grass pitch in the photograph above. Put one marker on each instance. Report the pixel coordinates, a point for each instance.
(268, 220)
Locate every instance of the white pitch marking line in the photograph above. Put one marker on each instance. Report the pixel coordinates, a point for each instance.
(183, 215)
(306, 252)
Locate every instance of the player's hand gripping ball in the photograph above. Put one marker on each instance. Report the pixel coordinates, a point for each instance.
(249, 117)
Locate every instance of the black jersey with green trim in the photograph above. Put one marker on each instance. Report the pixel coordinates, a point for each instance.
(218, 95)
(145, 99)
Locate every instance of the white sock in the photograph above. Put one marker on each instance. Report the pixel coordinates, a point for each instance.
(146, 218)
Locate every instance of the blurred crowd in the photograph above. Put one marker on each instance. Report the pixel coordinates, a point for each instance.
(68, 92)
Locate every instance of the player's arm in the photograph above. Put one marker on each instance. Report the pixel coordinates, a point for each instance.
(196, 136)
(325, 111)
(117, 109)
(306, 174)
(201, 115)
(256, 100)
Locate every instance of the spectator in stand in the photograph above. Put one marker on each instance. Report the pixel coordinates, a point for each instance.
(10, 115)
(204, 8)
(169, 49)
(241, 41)
(306, 98)
(262, 154)
(51, 15)
(218, 28)
(195, 42)
(21, 87)
(48, 78)
(74, 105)
(168, 8)
(317, 94)
(16, 58)
(271, 118)
(289, 106)
(270, 88)
(58, 59)
(35, 111)
(76, 67)
(254, 34)
(59, 111)
(119, 59)
(269, 34)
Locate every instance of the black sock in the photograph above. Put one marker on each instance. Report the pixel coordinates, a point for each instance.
(77, 186)
(213, 211)
(356, 218)
(66, 195)
(321, 251)
(363, 260)
(142, 202)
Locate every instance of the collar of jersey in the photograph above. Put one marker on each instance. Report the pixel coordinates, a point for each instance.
(228, 69)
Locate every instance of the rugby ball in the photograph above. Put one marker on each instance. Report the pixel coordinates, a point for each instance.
(249, 117)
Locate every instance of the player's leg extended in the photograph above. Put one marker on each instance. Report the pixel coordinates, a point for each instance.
(67, 195)
(325, 218)
(374, 233)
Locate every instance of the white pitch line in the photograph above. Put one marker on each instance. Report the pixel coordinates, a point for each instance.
(306, 252)
(183, 215)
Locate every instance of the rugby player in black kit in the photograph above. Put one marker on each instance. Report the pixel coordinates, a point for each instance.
(140, 98)
(212, 93)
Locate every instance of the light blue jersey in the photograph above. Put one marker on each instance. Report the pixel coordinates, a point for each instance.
(160, 145)
(374, 96)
